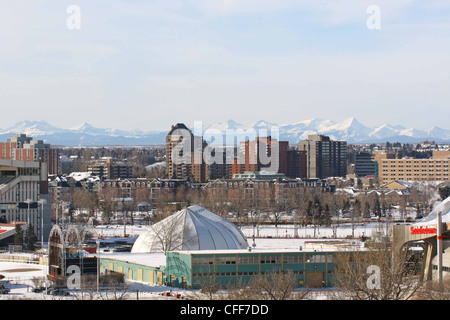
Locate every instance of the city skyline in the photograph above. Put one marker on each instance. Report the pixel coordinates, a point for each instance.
(148, 65)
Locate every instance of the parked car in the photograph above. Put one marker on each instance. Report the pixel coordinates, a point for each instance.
(59, 292)
(38, 289)
(3, 289)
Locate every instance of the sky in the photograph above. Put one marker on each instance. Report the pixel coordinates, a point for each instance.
(151, 63)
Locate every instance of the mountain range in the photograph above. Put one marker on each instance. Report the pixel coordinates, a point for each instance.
(350, 130)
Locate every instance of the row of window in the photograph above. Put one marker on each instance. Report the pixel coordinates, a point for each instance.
(424, 161)
(445, 269)
(246, 273)
(415, 166)
(416, 174)
(264, 259)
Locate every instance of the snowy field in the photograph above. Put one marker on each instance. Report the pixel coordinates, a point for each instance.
(264, 231)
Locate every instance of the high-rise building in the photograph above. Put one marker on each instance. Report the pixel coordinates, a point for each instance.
(364, 165)
(184, 155)
(219, 163)
(264, 153)
(21, 147)
(296, 163)
(324, 157)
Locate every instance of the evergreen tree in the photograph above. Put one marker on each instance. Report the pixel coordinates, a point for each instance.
(444, 192)
(18, 237)
(30, 238)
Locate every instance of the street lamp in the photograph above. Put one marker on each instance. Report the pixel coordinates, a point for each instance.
(28, 202)
(98, 262)
(42, 202)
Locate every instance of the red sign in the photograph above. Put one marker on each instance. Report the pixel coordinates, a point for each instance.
(423, 230)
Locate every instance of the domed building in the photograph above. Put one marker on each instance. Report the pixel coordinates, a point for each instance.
(193, 228)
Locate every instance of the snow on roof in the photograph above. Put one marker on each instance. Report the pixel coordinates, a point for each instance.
(154, 259)
(270, 250)
(442, 207)
(78, 176)
(157, 164)
(349, 191)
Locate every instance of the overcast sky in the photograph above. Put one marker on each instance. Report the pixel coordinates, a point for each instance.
(150, 63)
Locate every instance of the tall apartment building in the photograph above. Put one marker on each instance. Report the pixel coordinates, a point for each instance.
(184, 158)
(411, 169)
(296, 164)
(264, 153)
(21, 147)
(219, 164)
(324, 157)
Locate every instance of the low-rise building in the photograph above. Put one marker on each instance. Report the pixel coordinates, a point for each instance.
(410, 169)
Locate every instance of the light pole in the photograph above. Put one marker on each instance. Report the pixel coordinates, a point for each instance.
(28, 202)
(440, 249)
(42, 202)
(55, 207)
(98, 262)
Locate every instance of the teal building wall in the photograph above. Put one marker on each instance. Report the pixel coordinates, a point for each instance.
(312, 269)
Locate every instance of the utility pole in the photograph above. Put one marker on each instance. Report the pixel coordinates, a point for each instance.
(42, 202)
(440, 248)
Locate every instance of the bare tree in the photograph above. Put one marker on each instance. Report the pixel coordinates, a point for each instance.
(375, 274)
(170, 234)
(433, 291)
(238, 204)
(84, 201)
(273, 286)
(113, 287)
(268, 286)
(107, 204)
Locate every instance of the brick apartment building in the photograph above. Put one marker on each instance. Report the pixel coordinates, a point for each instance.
(110, 169)
(411, 169)
(21, 147)
(258, 155)
(184, 159)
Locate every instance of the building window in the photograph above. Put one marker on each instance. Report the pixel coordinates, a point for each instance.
(294, 259)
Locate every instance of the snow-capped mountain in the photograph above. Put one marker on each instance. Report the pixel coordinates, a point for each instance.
(225, 125)
(83, 135)
(34, 128)
(350, 130)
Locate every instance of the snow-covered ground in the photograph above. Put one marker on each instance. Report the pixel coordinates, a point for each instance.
(20, 277)
(263, 231)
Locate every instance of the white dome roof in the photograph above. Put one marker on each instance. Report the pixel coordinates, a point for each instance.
(193, 228)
